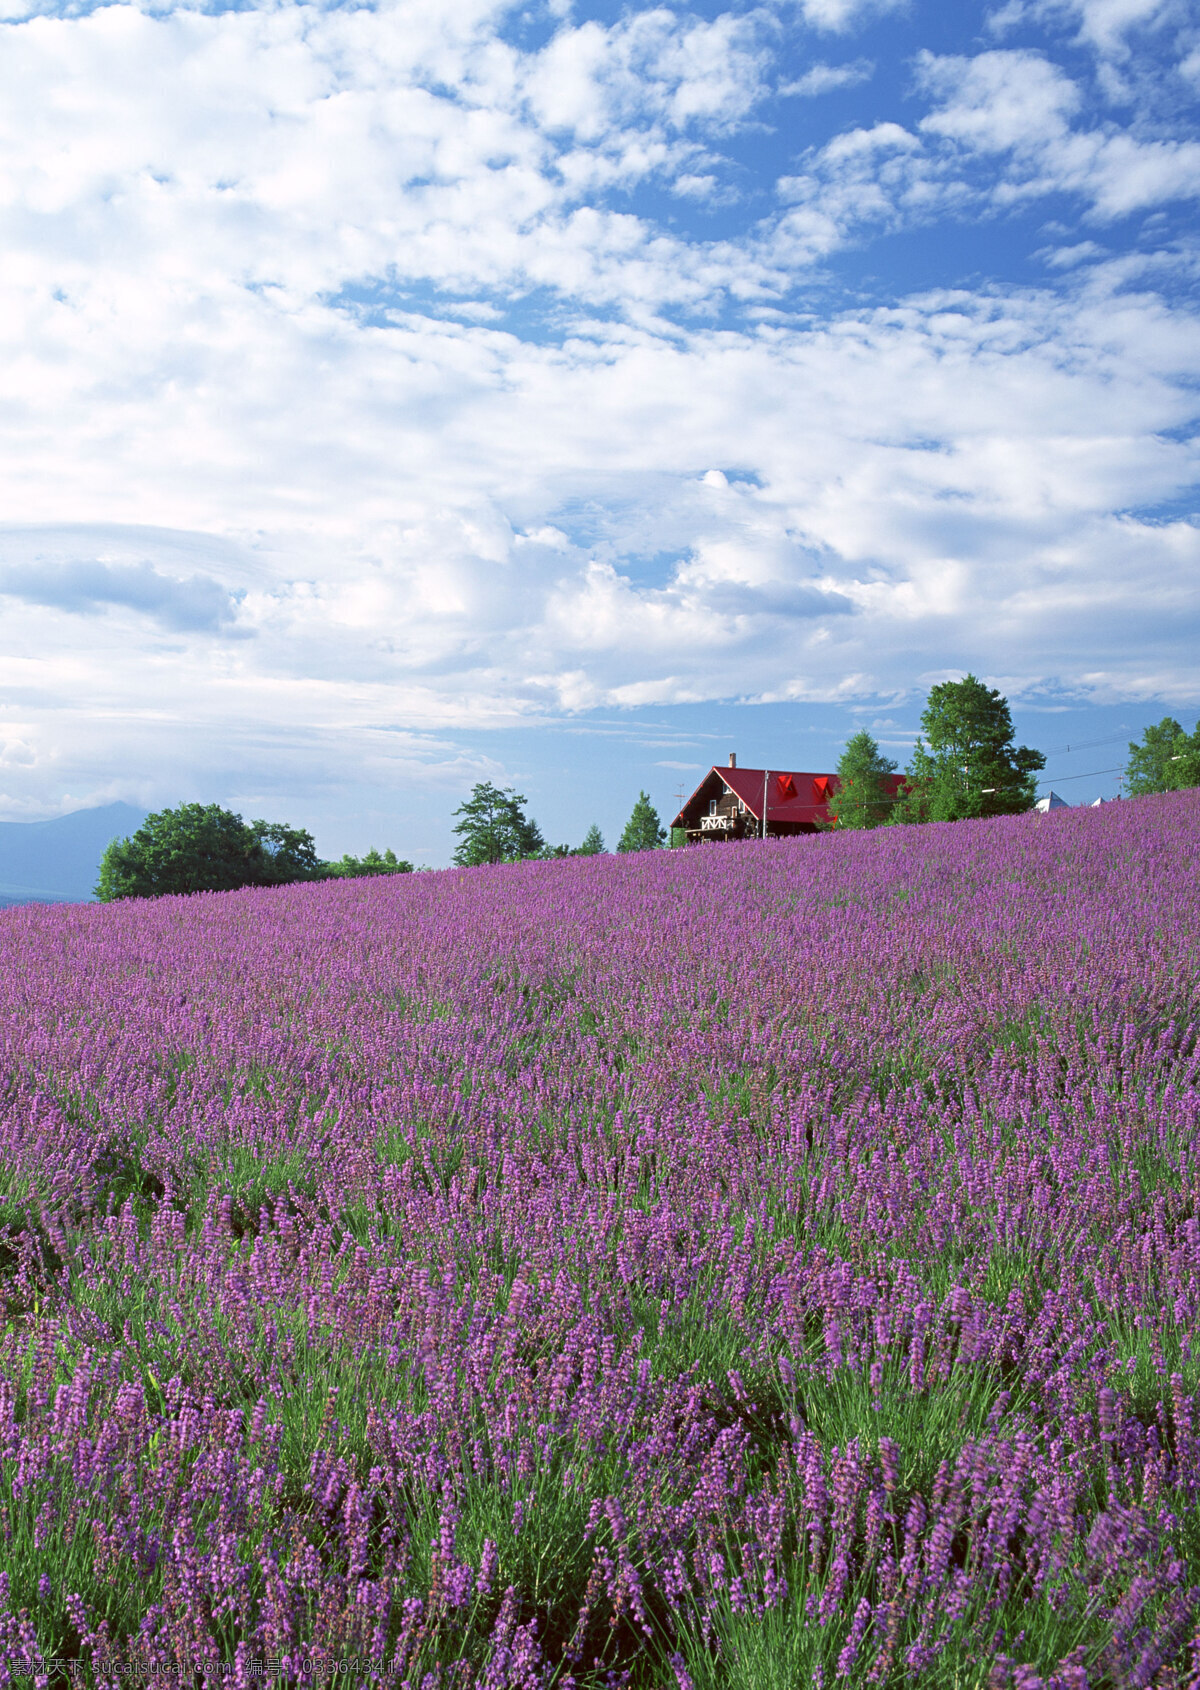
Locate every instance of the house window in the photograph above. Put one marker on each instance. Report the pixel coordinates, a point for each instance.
(712, 806)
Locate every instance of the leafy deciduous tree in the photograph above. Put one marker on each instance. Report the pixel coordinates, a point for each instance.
(285, 854)
(643, 830)
(494, 828)
(354, 868)
(862, 798)
(1185, 761)
(203, 848)
(1166, 760)
(970, 766)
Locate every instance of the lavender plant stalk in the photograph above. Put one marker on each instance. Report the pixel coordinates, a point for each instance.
(761, 1266)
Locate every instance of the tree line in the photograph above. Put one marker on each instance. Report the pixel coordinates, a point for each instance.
(965, 764)
(1166, 760)
(493, 828)
(203, 848)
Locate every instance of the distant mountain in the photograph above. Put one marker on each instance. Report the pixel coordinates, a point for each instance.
(58, 861)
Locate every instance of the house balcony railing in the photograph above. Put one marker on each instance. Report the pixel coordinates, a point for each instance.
(718, 824)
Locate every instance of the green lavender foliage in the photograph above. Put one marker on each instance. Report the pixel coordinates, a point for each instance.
(566, 1297)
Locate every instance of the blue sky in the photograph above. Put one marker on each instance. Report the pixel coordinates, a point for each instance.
(569, 394)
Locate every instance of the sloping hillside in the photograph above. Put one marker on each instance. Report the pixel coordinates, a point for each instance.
(745, 1268)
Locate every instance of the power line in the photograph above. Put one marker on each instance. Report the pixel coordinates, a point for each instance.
(1063, 779)
(898, 797)
(1085, 745)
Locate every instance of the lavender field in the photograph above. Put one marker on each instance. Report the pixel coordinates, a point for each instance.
(753, 1268)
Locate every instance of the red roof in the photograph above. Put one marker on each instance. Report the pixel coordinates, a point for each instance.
(792, 797)
(798, 798)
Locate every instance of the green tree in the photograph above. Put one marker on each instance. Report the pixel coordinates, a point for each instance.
(966, 763)
(494, 828)
(1166, 760)
(203, 848)
(862, 798)
(643, 830)
(355, 868)
(284, 854)
(1186, 761)
(593, 843)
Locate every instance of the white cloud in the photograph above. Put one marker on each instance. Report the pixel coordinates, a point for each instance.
(293, 151)
(349, 405)
(824, 79)
(916, 469)
(1018, 103)
(1102, 24)
(695, 187)
(1067, 257)
(592, 80)
(16, 753)
(1000, 131)
(998, 101)
(840, 15)
(861, 180)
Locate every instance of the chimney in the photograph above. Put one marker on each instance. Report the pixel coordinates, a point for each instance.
(733, 759)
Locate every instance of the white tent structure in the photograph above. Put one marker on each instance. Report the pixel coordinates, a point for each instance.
(1051, 802)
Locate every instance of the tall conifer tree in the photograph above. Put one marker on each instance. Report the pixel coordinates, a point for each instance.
(643, 830)
(862, 798)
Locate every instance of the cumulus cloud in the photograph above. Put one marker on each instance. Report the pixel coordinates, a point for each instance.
(593, 80)
(1018, 103)
(824, 79)
(1001, 129)
(841, 15)
(1103, 24)
(998, 101)
(292, 151)
(366, 376)
(1066, 257)
(196, 603)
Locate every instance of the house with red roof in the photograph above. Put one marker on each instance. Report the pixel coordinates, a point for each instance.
(730, 803)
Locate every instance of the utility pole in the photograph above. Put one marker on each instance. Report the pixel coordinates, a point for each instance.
(766, 782)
